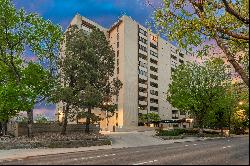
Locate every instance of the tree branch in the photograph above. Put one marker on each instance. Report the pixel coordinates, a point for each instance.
(231, 59)
(230, 10)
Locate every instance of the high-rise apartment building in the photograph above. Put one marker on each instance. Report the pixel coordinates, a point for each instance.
(144, 62)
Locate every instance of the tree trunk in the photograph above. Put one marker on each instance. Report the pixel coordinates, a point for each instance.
(4, 127)
(30, 122)
(221, 128)
(229, 123)
(1, 128)
(88, 121)
(232, 60)
(201, 130)
(65, 120)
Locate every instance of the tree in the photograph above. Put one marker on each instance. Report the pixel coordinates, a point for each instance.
(41, 119)
(16, 97)
(222, 109)
(195, 88)
(150, 117)
(20, 32)
(86, 71)
(98, 70)
(194, 23)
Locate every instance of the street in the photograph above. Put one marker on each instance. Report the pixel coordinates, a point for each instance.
(224, 151)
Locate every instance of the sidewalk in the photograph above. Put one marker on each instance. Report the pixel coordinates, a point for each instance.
(119, 140)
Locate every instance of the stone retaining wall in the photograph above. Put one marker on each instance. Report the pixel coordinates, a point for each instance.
(55, 144)
(19, 129)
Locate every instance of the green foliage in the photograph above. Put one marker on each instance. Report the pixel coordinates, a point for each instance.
(174, 132)
(198, 88)
(41, 119)
(195, 24)
(86, 71)
(21, 118)
(24, 83)
(150, 117)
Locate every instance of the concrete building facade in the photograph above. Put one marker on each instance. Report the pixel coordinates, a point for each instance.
(144, 62)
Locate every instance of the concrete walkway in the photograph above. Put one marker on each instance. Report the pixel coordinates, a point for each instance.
(119, 140)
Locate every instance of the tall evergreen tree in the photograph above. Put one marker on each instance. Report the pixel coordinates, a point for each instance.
(87, 69)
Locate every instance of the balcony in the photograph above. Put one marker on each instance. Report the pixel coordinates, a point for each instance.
(143, 110)
(144, 52)
(143, 85)
(154, 58)
(154, 104)
(153, 65)
(143, 103)
(144, 94)
(142, 77)
(142, 61)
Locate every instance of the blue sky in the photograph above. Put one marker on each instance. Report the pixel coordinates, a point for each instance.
(103, 12)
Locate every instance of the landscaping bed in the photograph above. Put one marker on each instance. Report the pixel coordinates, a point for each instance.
(181, 133)
(54, 140)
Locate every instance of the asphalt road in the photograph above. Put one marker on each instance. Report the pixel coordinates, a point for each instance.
(224, 151)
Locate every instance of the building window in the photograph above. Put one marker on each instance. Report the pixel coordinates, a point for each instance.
(181, 54)
(141, 31)
(154, 77)
(153, 92)
(141, 89)
(117, 36)
(143, 56)
(153, 100)
(175, 114)
(141, 72)
(153, 61)
(173, 57)
(181, 61)
(141, 47)
(153, 53)
(117, 70)
(153, 69)
(155, 109)
(117, 62)
(153, 45)
(117, 53)
(143, 64)
(117, 44)
(142, 40)
(154, 84)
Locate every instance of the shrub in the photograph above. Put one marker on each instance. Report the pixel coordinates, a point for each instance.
(41, 119)
(174, 132)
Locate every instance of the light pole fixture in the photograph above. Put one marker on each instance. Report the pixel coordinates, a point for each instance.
(241, 102)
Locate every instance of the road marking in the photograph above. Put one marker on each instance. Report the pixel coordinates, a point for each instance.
(83, 158)
(98, 156)
(186, 145)
(145, 162)
(195, 144)
(224, 147)
(229, 146)
(91, 157)
(75, 159)
(106, 155)
(113, 154)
